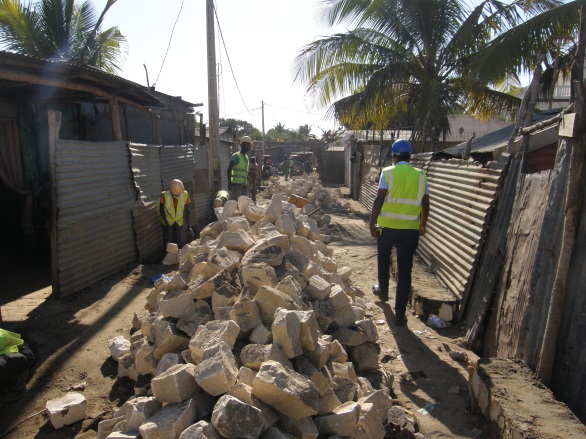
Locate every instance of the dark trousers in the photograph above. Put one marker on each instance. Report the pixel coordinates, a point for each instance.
(406, 242)
(15, 364)
(253, 188)
(172, 234)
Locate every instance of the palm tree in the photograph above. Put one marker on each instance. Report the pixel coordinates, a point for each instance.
(62, 29)
(409, 64)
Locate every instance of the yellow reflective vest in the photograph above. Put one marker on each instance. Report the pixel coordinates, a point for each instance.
(402, 206)
(174, 215)
(240, 169)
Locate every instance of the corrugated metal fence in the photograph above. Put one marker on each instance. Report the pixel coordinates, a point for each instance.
(107, 196)
(95, 194)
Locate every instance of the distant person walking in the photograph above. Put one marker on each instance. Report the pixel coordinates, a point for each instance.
(238, 169)
(253, 178)
(174, 212)
(398, 218)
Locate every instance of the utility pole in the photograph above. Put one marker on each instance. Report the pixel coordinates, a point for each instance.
(214, 119)
(263, 127)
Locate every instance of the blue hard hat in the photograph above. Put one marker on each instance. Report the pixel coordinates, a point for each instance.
(401, 147)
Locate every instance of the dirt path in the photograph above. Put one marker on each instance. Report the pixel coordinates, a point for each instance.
(70, 337)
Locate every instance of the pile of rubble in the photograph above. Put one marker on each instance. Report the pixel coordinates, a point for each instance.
(259, 333)
(324, 200)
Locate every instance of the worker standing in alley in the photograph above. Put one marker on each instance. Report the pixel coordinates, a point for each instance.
(399, 216)
(238, 169)
(174, 212)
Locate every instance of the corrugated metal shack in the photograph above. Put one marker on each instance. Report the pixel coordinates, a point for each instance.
(96, 150)
(493, 239)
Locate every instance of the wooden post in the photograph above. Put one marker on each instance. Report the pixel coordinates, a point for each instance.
(54, 118)
(115, 115)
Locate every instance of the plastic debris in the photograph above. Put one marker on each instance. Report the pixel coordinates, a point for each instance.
(428, 408)
(434, 321)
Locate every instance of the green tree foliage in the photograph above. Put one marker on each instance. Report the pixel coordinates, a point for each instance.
(241, 128)
(62, 29)
(409, 64)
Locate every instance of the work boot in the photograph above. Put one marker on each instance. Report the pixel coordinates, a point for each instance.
(400, 318)
(382, 295)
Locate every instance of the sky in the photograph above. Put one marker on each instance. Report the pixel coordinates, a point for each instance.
(261, 37)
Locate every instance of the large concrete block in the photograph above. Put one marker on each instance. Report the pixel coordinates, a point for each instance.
(318, 288)
(222, 258)
(118, 346)
(264, 251)
(137, 410)
(381, 400)
(348, 337)
(235, 419)
(345, 388)
(217, 372)
(236, 224)
(66, 410)
(342, 421)
(175, 384)
(106, 426)
(258, 274)
(239, 241)
(174, 303)
(210, 334)
(204, 290)
(144, 360)
(365, 357)
(254, 355)
(274, 209)
(320, 355)
(261, 335)
(286, 390)
(286, 330)
(243, 392)
(285, 224)
(170, 421)
(198, 313)
(303, 428)
(328, 402)
(168, 338)
(269, 299)
(246, 315)
(291, 288)
(370, 423)
(200, 430)
(369, 328)
(305, 367)
(308, 331)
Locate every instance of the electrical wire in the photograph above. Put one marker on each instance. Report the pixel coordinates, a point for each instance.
(297, 111)
(169, 44)
(230, 62)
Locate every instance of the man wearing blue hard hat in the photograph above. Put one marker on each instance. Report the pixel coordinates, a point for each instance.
(398, 218)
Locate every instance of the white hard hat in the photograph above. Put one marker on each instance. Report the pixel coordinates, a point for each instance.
(176, 187)
(245, 139)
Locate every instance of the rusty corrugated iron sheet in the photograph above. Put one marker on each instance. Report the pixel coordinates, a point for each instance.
(147, 227)
(146, 170)
(95, 193)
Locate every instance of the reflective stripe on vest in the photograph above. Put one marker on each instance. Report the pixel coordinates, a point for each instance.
(402, 206)
(240, 170)
(172, 215)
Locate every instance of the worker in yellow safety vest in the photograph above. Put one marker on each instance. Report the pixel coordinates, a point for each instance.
(238, 169)
(399, 216)
(174, 211)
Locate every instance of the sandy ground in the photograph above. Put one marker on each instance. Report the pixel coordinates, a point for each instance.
(70, 338)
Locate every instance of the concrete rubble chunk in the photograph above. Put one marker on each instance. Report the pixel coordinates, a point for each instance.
(274, 209)
(285, 224)
(338, 297)
(118, 346)
(66, 410)
(122, 435)
(345, 370)
(178, 282)
(246, 375)
(344, 388)
(239, 241)
(269, 299)
(306, 368)
(286, 390)
(365, 357)
(396, 416)
(329, 265)
(264, 251)
(210, 334)
(342, 421)
(175, 384)
(144, 360)
(217, 372)
(368, 327)
(172, 248)
(261, 335)
(254, 355)
(126, 367)
(345, 273)
(308, 330)
(235, 419)
(235, 224)
(318, 288)
(174, 303)
(213, 229)
(228, 210)
(222, 258)
(137, 410)
(200, 430)
(301, 262)
(286, 330)
(168, 360)
(244, 203)
(244, 393)
(205, 290)
(328, 402)
(365, 387)
(275, 433)
(168, 339)
(381, 400)
(291, 288)
(320, 355)
(337, 352)
(255, 213)
(258, 274)
(169, 421)
(198, 313)
(348, 337)
(303, 246)
(300, 428)
(246, 315)
(106, 426)
(370, 422)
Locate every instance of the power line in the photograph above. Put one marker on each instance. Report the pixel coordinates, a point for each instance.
(169, 45)
(297, 111)
(230, 62)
